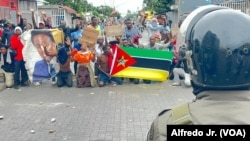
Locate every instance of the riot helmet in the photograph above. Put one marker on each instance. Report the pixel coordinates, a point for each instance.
(220, 44)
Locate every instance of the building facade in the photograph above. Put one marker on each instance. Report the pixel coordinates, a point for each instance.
(182, 8)
(58, 13)
(8, 10)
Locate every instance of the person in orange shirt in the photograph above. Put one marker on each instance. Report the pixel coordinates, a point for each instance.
(85, 74)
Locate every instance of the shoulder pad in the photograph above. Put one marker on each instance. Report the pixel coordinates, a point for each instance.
(164, 111)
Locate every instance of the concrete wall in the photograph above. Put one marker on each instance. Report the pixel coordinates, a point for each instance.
(24, 7)
(187, 6)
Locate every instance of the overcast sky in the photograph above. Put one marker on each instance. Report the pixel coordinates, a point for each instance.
(121, 5)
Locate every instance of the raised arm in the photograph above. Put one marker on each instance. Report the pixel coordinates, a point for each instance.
(33, 19)
(143, 20)
(164, 21)
(20, 20)
(105, 39)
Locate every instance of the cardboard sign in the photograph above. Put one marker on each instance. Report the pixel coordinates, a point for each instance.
(174, 31)
(89, 36)
(114, 30)
(58, 35)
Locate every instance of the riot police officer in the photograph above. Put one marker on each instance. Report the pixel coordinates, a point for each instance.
(219, 39)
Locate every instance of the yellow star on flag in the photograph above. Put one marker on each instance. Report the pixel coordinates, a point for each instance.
(122, 61)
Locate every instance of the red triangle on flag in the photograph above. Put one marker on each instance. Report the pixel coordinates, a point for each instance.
(121, 60)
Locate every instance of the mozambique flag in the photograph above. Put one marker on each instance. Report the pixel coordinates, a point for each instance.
(149, 64)
(120, 61)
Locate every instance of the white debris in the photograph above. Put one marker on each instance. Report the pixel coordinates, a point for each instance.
(1, 117)
(53, 120)
(32, 131)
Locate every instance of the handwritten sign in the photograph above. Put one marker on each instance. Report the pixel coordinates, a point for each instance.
(114, 30)
(89, 36)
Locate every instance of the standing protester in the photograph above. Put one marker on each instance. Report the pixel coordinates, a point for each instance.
(66, 30)
(165, 30)
(95, 24)
(22, 22)
(41, 24)
(7, 33)
(153, 26)
(17, 46)
(130, 31)
(7, 64)
(130, 34)
(219, 77)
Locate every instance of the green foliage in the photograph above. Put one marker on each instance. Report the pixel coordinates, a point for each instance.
(159, 6)
(104, 10)
(95, 13)
(81, 6)
(131, 15)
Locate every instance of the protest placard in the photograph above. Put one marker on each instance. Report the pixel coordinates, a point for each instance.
(89, 36)
(114, 30)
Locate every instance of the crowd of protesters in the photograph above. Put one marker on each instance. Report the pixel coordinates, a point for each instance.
(13, 38)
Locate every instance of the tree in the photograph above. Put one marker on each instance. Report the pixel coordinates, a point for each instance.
(81, 6)
(105, 10)
(159, 6)
(131, 15)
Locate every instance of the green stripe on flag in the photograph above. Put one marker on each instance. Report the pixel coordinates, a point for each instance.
(156, 54)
